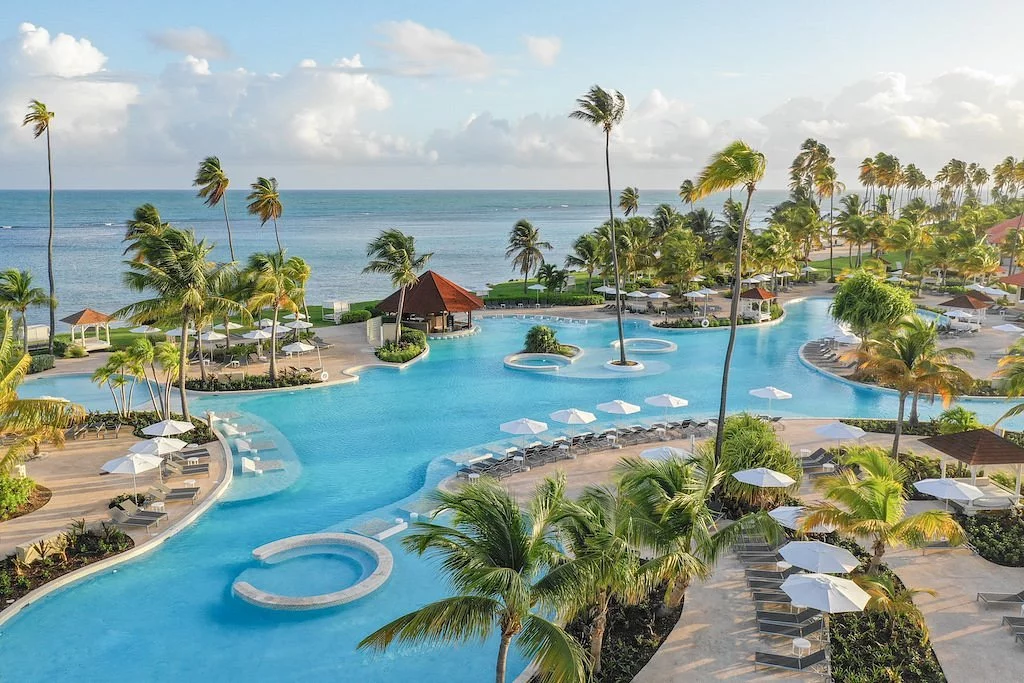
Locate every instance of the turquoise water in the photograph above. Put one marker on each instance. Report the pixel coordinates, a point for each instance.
(364, 447)
(80, 389)
(314, 571)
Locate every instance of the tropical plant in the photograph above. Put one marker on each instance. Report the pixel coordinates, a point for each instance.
(22, 418)
(872, 504)
(737, 164)
(750, 442)
(686, 194)
(393, 253)
(605, 109)
(862, 302)
(276, 284)
(213, 185)
(957, 419)
(681, 252)
(586, 256)
(524, 248)
(18, 294)
(509, 575)
(41, 118)
(265, 203)
(542, 339)
(552, 277)
(894, 600)
(826, 182)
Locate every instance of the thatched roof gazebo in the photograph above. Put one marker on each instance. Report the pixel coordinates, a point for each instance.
(88, 318)
(756, 303)
(430, 302)
(979, 448)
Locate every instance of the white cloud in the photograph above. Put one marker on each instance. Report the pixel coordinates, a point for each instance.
(543, 49)
(37, 54)
(191, 41)
(416, 50)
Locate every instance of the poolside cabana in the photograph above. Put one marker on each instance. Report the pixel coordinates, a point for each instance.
(80, 324)
(980, 448)
(974, 303)
(756, 303)
(430, 303)
(1017, 280)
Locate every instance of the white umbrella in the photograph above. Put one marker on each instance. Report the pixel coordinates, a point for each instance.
(957, 313)
(949, 489)
(894, 278)
(839, 431)
(212, 336)
(820, 557)
(707, 292)
(750, 281)
(523, 426)
(695, 295)
(828, 594)
(168, 428)
(791, 517)
(808, 269)
(605, 289)
(763, 278)
(159, 445)
(145, 329)
(537, 288)
(663, 453)
(666, 401)
(848, 338)
(785, 273)
(572, 416)
(297, 347)
(258, 335)
(697, 278)
(176, 332)
(229, 326)
(658, 295)
(282, 330)
(265, 322)
(764, 478)
(637, 294)
(618, 407)
(1008, 327)
(299, 325)
(134, 463)
(771, 393)
(295, 316)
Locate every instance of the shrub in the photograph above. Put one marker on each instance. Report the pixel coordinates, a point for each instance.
(40, 362)
(250, 382)
(75, 351)
(957, 419)
(14, 494)
(413, 336)
(748, 443)
(554, 299)
(997, 536)
(359, 316)
(398, 353)
(542, 339)
(60, 347)
(137, 498)
(141, 419)
(928, 428)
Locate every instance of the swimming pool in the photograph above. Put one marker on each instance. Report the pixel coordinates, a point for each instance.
(364, 447)
(79, 388)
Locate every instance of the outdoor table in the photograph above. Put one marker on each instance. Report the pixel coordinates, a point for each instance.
(801, 647)
(828, 467)
(660, 431)
(518, 459)
(189, 482)
(474, 475)
(234, 364)
(613, 438)
(783, 566)
(564, 448)
(157, 505)
(192, 461)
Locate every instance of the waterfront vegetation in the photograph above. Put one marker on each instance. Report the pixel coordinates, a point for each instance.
(410, 344)
(542, 339)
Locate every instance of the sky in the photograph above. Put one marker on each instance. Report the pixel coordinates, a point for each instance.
(329, 94)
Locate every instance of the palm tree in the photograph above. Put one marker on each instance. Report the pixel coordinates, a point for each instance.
(393, 253)
(827, 183)
(265, 203)
(165, 356)
(524, 248)
(737, 164)
(585, 255)
(629, 201)
(873, 505)
(140, 355)
(23, 418)
(40, 118)
(213, 184)
(508, 574)
(18, 294)
(276, 283)
(604, 109)
(908, 234)
(686, 193)
(896, 601)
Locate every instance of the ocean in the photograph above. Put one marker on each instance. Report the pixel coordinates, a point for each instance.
(466, 231)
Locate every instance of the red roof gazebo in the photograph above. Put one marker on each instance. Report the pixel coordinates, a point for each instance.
(431, 301)
(82, 321)
(753, 303)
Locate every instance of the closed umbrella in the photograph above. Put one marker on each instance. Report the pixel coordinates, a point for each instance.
(133, 464)
(771, 393)
(168, 428)
(791, 517)
(666, 401)
(523, 427)
(663, 453)
(839, 431)
(764, 478)
(159, 445)
(816, 556)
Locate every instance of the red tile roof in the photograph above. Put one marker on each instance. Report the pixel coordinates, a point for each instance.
(997, 233)
(977, 447)
(758, 293)
(433, 294)
(965, 301)
(1017, 279)
(87, 316)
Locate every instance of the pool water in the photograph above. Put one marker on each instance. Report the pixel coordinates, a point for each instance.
(541, 362)
(363, 448)
(79, 388)
(313, 571)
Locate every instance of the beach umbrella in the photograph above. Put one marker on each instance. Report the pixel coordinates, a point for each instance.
(176, 332)
(297, 347)
(763, 278)
(537, 288)
(816, 556)
(573, 416)
(168, 428)
(605, 289)
(772, 394)
(959, 314)
(847, 338)
(808, 269)
(145, 329)
(523, 427)
(159, 445)
(706, 292)
(637, 294)
(282, 330)
(839, 431)
(791, 517)
(785, 273)
(663, 453)
(666, 401)
(949, 489)
(750, 281)
(133, 464)
(295, 316)
(299, 325)
(828, 594)
(212, 336)
(229, 326)
(618, 407)
(1008, 327)
(258, 336)
(265, 322)
(658, 295)
(764, 478)
(894, 278)
(695, 295)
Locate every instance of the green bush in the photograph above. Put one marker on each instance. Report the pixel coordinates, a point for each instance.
(250, 382)
(75, 351)
(927, 428)
(398, 353)
(359, 316)
(14, 493)
(957, 419)
(413, 336)
(997, 536)
(40, 362)
(60, 347)
(554, 299)
(542, 339)
(749, 442)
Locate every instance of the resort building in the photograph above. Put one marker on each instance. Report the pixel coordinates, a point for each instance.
(430, 304)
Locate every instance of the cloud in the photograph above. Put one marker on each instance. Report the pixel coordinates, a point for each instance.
(191, 41)
(416, 50)
(543, 49)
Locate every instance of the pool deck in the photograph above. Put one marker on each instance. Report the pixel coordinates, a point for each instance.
(81, 492)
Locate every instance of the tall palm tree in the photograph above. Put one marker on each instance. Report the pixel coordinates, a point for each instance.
(508, 573)
(873, 504)
(22, 418)
(276, 283)
(41, 118)
(265, 204)
(686, 193)
(908, 234)
(393, 253)
(585, 255)
(605, 109)
(213, 184)
(18, 294)
(524, 248)
(737, 164)
(827, 183)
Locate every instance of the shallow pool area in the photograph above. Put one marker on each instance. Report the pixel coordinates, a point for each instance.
(370, 450)
(79, 388)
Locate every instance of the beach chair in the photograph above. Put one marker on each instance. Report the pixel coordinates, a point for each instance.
(122, 518)
(1001, 599)
(176, 469)
(771, 596)
(135, 511)
(170, 495)
(790, 663)
(251, 466)
(1014, 623)
(801, 617)
(771, 628)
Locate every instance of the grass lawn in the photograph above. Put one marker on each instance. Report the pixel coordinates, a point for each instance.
(515, 287)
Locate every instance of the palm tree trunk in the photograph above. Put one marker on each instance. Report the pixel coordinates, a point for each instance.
(152, 395)
(24, 329)
(615, 251)
(227, 334)
(117, 408)
(167, 396)
(49, 248)
(277, 236)
(676, 593)
(877, 552)
(734, 308)
(159, 390)
(183, 368)
(499, 669)
(199, 348)
(398, 316)
(899, 427)
(597, 631)
(131, 398)
(273, 348)
(831, 238)
(913, 409)
(231, 244)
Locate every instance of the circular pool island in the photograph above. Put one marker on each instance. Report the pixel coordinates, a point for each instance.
(646, 345)
(541, 362)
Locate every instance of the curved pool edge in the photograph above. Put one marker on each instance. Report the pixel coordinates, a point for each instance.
(354, 370)
(43, 591)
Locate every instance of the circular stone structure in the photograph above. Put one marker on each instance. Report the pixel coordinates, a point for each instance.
(614, 366)
(542, 362)
(293, 546)
(646, 345)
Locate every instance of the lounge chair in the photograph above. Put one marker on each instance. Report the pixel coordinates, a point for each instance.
(135, 511)
(771, 628)
(787, 662)
(1014, 623)
(776, 596)
(122, 518)
(1001, 599)
(801, 617)
(250, 466)
(175, 469)
(169, 495)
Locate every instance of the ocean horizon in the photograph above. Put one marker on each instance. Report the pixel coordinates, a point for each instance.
(465, 229)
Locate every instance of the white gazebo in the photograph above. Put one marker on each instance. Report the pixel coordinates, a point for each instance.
(756, 303)
(85, 320)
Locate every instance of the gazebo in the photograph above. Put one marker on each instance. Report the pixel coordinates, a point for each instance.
(979, 448)
(756, 303)
(972, 303)
(85, 319)
(430, 303)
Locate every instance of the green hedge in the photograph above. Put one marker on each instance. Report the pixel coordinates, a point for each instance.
(40, 362)
(250, 382)
(14, 493)
(686, 323)
(141, 419)
(556, 299)
(926, 428)
(359, 316)
(997, 536)
(400, 353)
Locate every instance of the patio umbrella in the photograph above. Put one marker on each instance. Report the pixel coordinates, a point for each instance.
(618, 407)
(299, 325)
(145, 329)
(828, 594)
(666, 401)
(1008, 327)
(658, 295)
(229, 326)
(637, 294)
(770, 393)
(258, 336)
(524, 427)
(839, 431)
(663, 453)
(763, 277)
(694, 295)
(168, 428)
(848, 338)
(750, 281)
(949, 489)
(572, 416)
(158, 445)
(894, 278)
(764, 478)
(133, 463)
(265, 322)
(605, 289)
(785, 273)
(791, 517)
(819, 557)
(176, 332)
(297, 347)
(295, 316)
(706, 292)
(808, 269)
(537, 288)
(957, 313)
(212, 336)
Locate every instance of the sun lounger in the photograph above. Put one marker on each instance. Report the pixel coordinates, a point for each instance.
(251, 466)
(776, 596)
(787, 662)
(135, 511)
(175, 469)
(122, 518)
(801, 617)
(771, 628)
(1019, 638)
(169, 495)
(1002, 599)
(1016, 624)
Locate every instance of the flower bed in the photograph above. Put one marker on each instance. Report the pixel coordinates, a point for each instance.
(250, 382)
(18, 497)
(411, 344)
